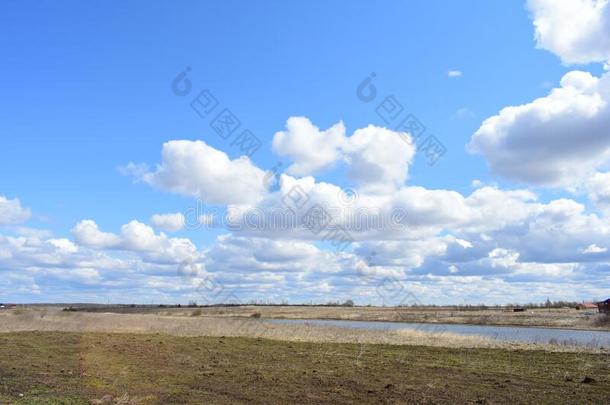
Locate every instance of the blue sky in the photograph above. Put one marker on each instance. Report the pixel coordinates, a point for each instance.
(87, 90)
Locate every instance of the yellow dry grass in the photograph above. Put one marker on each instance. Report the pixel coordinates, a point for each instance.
(45, 320)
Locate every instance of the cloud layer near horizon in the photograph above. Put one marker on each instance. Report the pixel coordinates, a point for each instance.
(419, 241)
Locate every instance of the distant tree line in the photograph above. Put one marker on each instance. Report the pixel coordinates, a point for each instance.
(346, 303)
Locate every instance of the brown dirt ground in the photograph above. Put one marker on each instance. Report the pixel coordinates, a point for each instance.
(77, 368)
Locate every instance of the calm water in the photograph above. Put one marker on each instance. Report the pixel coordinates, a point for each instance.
(504, 333)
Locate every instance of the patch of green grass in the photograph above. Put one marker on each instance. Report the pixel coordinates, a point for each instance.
(159, 369)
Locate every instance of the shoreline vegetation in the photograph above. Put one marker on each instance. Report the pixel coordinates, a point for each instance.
(195, 322)
(563, 318)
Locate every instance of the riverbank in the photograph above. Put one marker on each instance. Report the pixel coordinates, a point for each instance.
(565, 318)
(84, 368)
(197, 324)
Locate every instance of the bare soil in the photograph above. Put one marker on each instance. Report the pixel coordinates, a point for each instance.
(84, 368)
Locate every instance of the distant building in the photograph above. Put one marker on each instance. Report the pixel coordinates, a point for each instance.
(604, 306)
(587, 305)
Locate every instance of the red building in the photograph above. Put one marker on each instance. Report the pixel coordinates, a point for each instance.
(587, 305)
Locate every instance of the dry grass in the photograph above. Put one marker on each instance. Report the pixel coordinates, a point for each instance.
(41, 320)
(548, 318)
(603, 320)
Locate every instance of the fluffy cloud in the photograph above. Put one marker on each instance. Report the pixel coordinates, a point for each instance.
(31, 252)
(490, 237)
(168, 222)
(193, 168)
(311, 149)
(509, 259)
(266, 269)
(557, 140)
(598, 187)
(560, 139)
(451, 244)
(578, 31)
(473, 225)
(140, 237)
(377, 158)
(563, 224)
(63, 245)
(407, 213)
(473, 247)
(87, 233)
(137, 237)
(60, 270)
(594, 249)
(234, 253)
(11, 211)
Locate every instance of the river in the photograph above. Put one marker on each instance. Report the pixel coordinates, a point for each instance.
(589, 338)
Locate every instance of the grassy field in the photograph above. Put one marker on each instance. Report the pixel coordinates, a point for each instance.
(549, 318)
(82, 322)
(193, 324)
(79, 368)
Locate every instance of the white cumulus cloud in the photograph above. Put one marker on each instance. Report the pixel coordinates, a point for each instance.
(594, 249)
(556, 140)
(376, 158)
(136, 237)
(578, 31)
(193, 168)
(11, 211)
(598, 187)
(168, 222)
(87, 233)
(310, 148)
